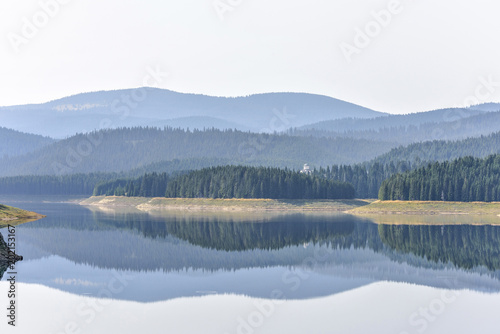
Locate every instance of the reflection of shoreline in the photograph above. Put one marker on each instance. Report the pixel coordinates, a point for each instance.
(220, 205)
(219, 216)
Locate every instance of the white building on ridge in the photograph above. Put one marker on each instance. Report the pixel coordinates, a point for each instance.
(306, 170)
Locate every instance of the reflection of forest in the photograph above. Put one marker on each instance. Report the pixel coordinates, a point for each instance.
(466, 246)
(230, 235)
(139, 241)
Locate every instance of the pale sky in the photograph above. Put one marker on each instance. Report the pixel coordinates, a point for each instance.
(424, 55)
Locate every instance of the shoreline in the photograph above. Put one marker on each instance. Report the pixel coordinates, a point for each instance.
(380, 212)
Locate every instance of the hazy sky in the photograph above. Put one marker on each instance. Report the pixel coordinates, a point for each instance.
(413, 56)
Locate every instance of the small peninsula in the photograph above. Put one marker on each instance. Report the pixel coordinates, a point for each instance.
(14, 216)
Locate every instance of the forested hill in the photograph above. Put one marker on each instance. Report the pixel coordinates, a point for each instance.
(128, 148)
(138, 151)
(13, 143)
(368, 177)
(231, 182)
(466, 179)
(441, 150)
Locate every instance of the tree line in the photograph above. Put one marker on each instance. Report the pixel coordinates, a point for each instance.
(365, 178)
(149, 185)
(231, 182)
(465, 179)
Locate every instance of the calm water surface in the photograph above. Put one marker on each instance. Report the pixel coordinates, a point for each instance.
(116, 272)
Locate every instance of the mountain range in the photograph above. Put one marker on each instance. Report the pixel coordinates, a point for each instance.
(159, 107)
(151, 129)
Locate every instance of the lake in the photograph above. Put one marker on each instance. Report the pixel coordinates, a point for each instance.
(107, 271)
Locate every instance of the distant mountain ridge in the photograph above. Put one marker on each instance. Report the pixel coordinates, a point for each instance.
(152, 107)
(433, 116)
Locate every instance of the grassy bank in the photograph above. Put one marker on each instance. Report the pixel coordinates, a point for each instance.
(15, 216)
(208, 204)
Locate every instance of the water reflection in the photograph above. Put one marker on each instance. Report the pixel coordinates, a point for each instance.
(268, 236)
(230, 234)
(248, 255)
(465, 246)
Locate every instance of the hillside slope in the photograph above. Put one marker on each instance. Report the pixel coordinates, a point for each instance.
(129, 148)
(13, 143)
(441, 150)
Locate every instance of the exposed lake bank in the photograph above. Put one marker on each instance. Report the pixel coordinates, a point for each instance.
(430, 213)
